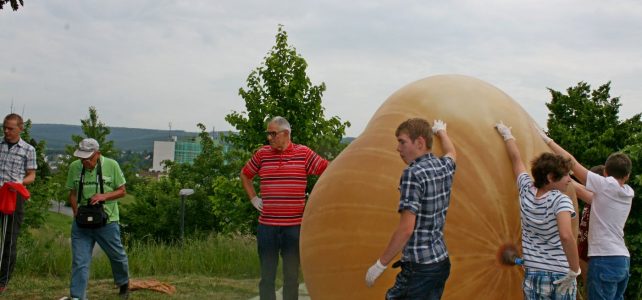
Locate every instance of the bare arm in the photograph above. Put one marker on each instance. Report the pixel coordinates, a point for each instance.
(30, 177)
(399, 237)
(447, 145)
(113, 195)
(515, 157)
(568, 240)
(582, 193)
(73, 201)
(248, 186)
(579, 171)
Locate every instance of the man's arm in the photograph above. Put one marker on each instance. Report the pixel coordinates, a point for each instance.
(579, 171)
(395, 245)
(511, 148)
(30, 177)
(439, 129)
(73, 201)
(583, 193)
(113, 195)
(399, 237)
(568, 240)
(248, 186)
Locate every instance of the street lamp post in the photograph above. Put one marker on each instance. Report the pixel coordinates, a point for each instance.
(184, 193)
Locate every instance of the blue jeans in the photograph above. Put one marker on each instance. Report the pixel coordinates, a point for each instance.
(420, 281)
(82, 244)
(272, 241)
(539, 285)
(608, 277)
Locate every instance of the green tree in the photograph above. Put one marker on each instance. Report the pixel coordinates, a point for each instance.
(92, 127)
(14, 3)
(281, 87)
(585, 122)
(40, 190)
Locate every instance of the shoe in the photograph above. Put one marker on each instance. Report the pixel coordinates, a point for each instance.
(124, 291)
(2, 289)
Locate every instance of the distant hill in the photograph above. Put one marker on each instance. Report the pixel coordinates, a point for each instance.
(134, 139)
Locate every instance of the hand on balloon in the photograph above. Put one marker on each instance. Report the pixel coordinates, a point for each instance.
(258, 203)
(568, 281)
(374, 272)
(504, 131)
(438, 125)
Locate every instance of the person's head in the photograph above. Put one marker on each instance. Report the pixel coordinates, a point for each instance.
(599, 170)
(12, 127)
(618, 165)
(278, 133)
(414, 139)
(551, 171)
(88, 152)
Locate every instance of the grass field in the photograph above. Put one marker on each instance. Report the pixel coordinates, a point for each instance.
(218, 267)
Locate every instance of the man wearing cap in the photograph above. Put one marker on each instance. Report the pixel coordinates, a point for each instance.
(87, 172)
(18, 165)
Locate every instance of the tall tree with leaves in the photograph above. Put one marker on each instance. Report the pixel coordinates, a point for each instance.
(92, 127)
(281, 87)
(585, 122)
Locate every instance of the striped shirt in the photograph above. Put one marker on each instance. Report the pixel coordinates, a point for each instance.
(284, 176)
(15, 162)
(541, 244)
(425, 188)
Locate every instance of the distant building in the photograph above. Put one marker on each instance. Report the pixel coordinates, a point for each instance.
(180, 150)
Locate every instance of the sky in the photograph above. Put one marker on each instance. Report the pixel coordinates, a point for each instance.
(152, 63)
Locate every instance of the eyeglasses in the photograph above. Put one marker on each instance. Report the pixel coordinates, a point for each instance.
(88, 158)
(273, 133)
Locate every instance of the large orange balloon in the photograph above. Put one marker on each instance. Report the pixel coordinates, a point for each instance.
(352, 210)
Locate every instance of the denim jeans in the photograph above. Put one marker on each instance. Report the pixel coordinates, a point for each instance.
(14, 221)
(272, 241)
(82, 244)
(608, 277)
(420, 281)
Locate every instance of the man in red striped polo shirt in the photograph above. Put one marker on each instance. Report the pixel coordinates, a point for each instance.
(283, 168)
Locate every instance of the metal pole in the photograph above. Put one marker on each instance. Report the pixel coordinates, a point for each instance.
(182, 218)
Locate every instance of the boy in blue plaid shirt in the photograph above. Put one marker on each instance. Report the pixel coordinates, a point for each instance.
(425, 189)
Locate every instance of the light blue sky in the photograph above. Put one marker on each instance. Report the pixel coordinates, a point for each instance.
(146, 63)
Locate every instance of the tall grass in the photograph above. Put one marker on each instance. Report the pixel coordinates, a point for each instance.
(47, 252)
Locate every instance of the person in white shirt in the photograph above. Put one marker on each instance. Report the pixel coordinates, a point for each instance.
(609, 259)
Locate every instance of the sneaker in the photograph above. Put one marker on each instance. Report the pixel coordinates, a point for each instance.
(124, 291)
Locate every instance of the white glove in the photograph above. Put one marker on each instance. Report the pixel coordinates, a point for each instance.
(504, 131)
(374, 272)
(18, 181)
(258, 203)
(567, 282)
(542, 134)
(438, 125)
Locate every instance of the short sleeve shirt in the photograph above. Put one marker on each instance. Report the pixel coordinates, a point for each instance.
(609, 210)
(113, 178)
(425, 187)
(15, 162)
(541, 243)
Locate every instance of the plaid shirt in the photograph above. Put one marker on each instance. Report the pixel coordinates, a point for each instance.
(15, 162)
(425, 188)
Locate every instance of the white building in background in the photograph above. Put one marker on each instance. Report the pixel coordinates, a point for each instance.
(163, 150)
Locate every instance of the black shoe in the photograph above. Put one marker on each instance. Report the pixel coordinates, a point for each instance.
(124, 291)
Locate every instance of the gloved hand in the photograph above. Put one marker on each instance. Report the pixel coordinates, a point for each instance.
(504, 131)
(438, 125)
(566, 282)
(18, 181)
(542, 134)
(258, 203)
(374, 272)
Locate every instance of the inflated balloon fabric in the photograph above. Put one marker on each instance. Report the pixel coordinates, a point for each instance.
(352, 211)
